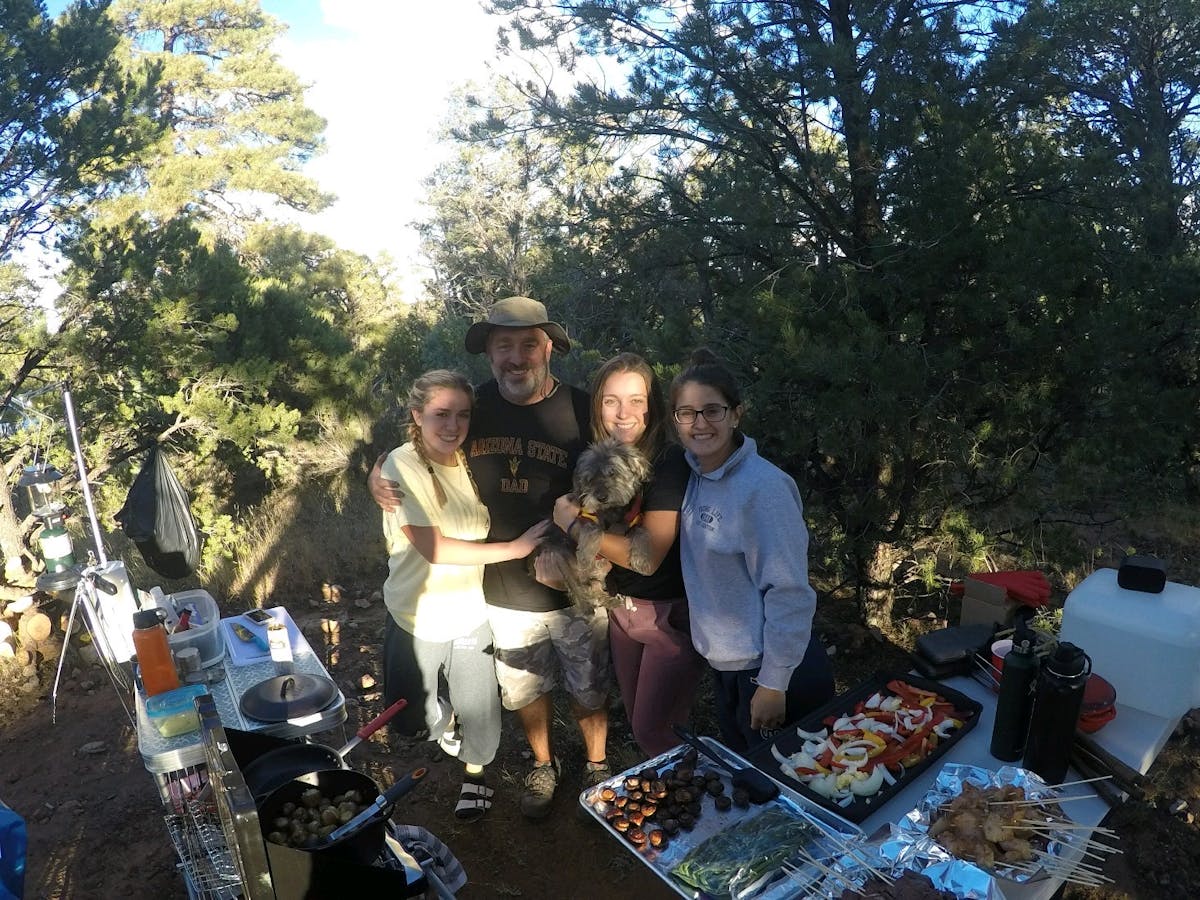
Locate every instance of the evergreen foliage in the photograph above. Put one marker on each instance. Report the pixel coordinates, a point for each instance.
(950, 247)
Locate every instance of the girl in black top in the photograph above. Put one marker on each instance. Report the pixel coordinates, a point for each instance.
(656, 666)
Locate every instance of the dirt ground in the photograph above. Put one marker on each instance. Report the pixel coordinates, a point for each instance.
(96, 828)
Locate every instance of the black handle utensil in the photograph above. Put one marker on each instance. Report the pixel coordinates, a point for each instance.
(758, 785)
(382, 803)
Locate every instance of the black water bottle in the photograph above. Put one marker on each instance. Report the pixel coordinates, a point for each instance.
(1056, 703)
(1015, 702)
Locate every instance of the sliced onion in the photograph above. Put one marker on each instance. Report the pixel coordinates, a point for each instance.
(869, 785)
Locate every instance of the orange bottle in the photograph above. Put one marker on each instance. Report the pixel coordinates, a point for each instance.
(153, 653)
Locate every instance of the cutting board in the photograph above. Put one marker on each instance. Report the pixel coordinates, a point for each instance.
(245, 653)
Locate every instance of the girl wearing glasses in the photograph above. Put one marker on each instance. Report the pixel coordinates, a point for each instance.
(657, 667)
(744, 550)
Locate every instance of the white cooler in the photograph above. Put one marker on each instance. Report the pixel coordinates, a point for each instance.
(1146, 645)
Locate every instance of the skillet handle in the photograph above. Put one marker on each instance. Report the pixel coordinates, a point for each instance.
(402, 786)
(380, 720)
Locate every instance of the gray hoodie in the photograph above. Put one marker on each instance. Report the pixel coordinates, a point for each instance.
(744, 547)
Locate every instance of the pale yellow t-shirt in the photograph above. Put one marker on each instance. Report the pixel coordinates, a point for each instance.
(432, 602)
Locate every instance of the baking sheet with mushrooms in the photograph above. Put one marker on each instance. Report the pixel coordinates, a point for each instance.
(681, 816)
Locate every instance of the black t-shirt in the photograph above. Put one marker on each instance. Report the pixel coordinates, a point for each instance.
(665, 491)
(522, 459)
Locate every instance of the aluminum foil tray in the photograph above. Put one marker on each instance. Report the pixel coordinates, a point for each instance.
(911, 847)
(835, 833)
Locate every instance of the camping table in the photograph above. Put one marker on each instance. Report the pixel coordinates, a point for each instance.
(1134, 737)
(179, 764)
(163, 755)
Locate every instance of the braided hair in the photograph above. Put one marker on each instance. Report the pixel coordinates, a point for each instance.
(418, 398)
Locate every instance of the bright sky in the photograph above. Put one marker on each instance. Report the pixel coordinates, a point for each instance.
(380, 72)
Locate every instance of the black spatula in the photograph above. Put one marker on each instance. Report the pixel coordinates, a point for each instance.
(756, 784)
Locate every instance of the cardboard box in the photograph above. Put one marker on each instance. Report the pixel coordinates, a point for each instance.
(986, 604)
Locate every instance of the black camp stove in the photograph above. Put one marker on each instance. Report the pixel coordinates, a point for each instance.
(214, 824)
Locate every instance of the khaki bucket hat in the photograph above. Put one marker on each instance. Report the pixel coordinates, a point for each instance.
(516, 312)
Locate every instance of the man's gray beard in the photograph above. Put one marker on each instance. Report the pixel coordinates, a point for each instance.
(531, 385)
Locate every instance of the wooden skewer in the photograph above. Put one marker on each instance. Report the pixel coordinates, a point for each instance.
(1090, 853)
(1058, 859)
(1054, 865)
(1054, 825)
(1088, 878)
(882, 876)
(1080, 781)
(790, 869)
(1085, 882)
(1043, 802)
(1063, 826)
(1085, 844)
(848, 849)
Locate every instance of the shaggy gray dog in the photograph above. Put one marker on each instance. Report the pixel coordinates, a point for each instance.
(608, 482)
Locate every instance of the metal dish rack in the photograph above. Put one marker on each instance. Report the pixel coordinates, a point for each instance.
(205, 861)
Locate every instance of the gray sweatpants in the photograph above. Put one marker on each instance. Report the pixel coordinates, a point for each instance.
(441, 678)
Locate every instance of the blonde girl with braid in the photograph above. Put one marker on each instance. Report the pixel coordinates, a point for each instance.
(437, 642)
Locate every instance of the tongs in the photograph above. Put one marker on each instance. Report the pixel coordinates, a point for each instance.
(381, 804)
(1093, 761)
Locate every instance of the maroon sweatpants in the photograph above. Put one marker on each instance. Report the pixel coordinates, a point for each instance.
(658, 670)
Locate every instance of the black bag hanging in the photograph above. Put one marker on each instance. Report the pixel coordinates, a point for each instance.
(157, 518)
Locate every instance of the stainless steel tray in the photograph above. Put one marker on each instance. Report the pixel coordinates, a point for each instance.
(713, 821)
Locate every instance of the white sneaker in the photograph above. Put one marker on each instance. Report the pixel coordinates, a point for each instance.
(451, 740)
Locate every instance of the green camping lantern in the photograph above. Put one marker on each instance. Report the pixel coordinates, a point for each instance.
(41, 483)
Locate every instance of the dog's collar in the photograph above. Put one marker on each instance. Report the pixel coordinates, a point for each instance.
(633, 515)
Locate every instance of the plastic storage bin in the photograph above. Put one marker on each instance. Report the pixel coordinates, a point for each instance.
(174, 713)
(204, 635)
(1147, 646)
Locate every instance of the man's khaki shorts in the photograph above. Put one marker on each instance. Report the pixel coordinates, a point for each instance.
(537, 651)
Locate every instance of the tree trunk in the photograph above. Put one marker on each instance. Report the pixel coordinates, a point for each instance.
(876, 591)
(12, 548)
(864, 167)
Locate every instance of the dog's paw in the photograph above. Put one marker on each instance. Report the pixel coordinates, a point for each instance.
(587, 542)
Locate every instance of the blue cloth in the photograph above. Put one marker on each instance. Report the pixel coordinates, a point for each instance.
(12, 854)
(426, 848)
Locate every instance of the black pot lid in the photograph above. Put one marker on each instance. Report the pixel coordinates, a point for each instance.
(287, 697)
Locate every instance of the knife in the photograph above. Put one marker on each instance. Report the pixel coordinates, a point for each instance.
(249, 636)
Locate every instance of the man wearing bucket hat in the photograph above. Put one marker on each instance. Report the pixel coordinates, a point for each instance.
(526, 433)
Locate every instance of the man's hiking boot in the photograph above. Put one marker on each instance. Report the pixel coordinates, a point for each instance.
(540, 784)
(594, 773)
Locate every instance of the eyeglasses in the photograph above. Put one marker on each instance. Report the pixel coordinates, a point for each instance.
(713, 413)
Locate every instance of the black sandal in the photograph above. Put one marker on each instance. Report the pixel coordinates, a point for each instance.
(474, 799)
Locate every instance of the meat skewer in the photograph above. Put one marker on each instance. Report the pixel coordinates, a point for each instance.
(995, 827)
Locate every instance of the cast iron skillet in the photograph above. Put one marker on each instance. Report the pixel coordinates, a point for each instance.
(277, 767)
